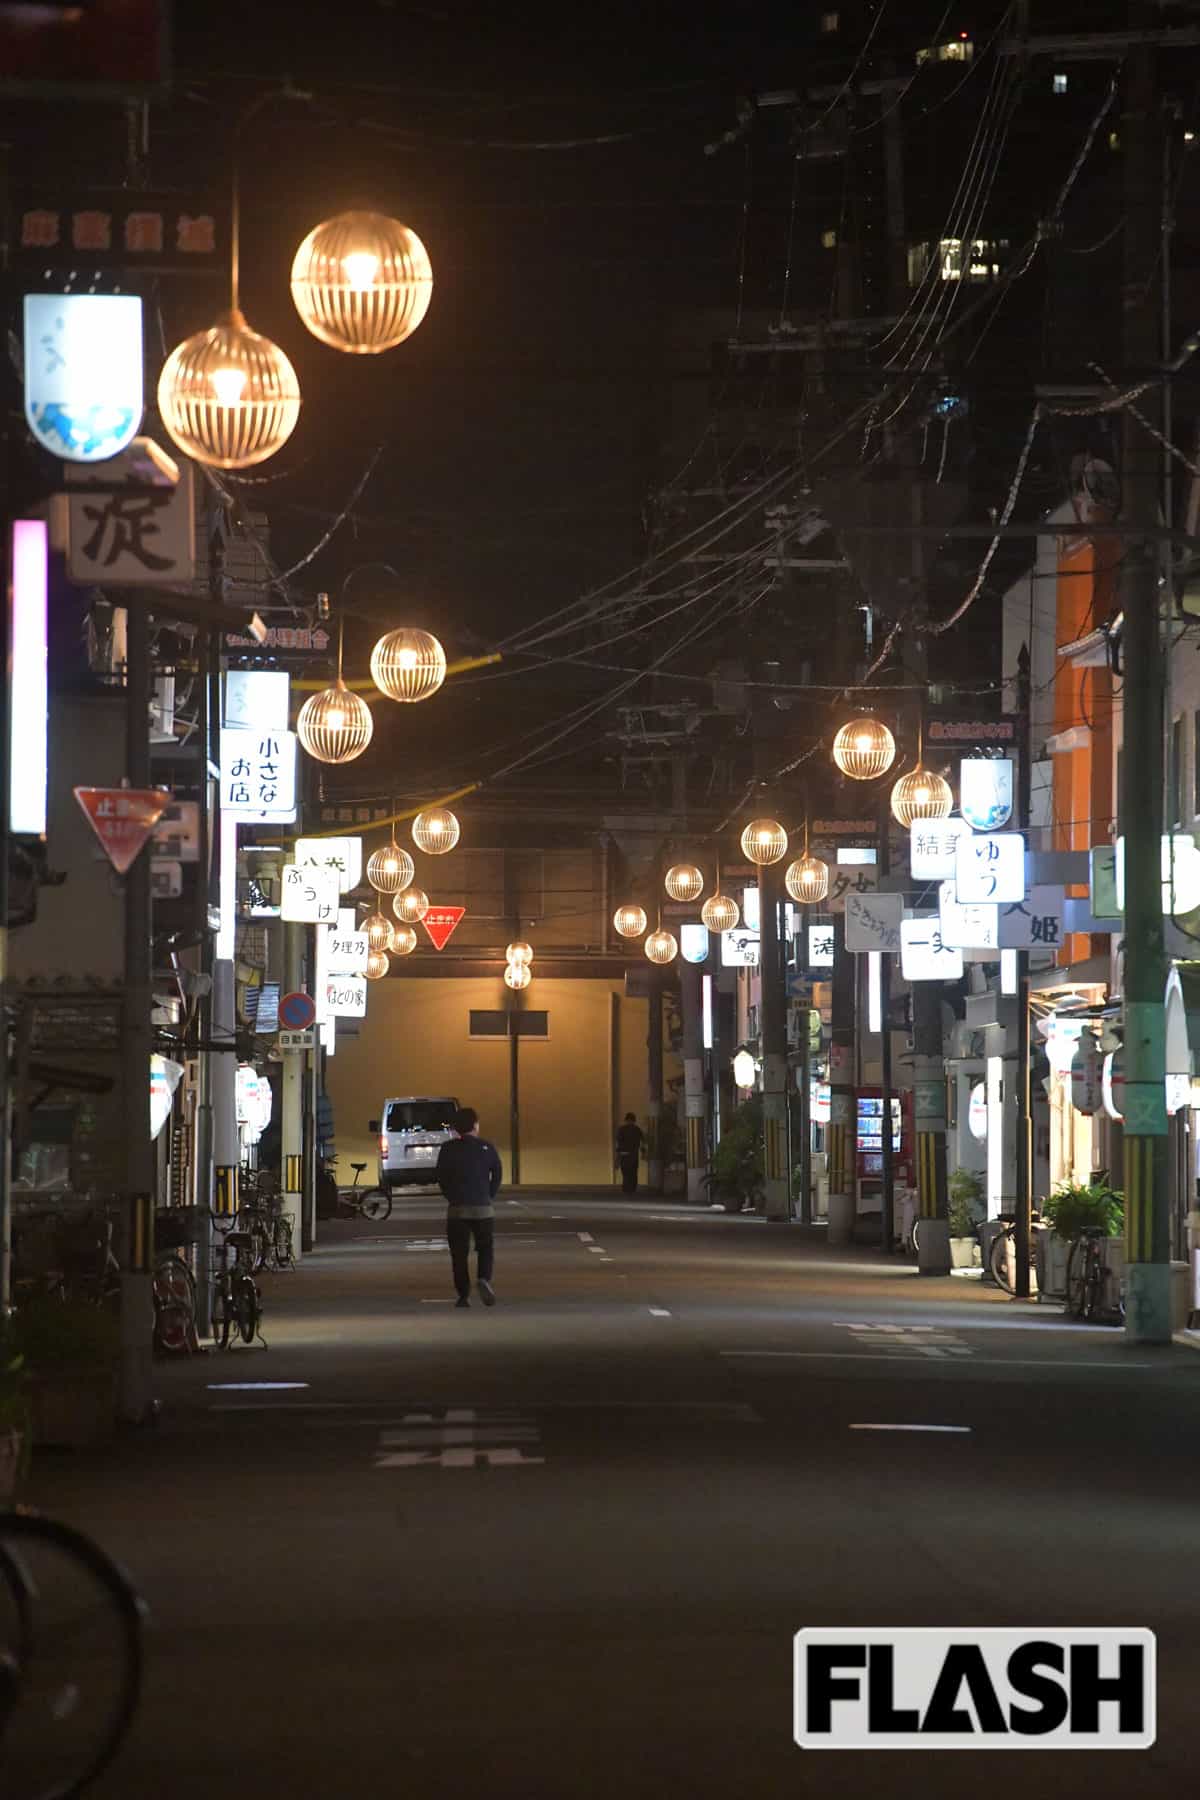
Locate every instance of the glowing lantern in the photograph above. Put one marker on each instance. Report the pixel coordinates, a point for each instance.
(685, 882)
(720, 913)
(864, 749)
(435, 831)
(362, 282)
(764, 841)
(520, 952)
(807, 879)
(629, 921)
(404, 940)
(378, 928)
(920, 795)
(661, 946)
(377, 965)
(411, 906)
(229, 397)
(390, 869)
(408, 665)
(518, 975)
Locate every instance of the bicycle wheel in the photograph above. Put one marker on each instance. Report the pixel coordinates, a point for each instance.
(73, 1655)
(1093, 1298)
(222, 1317)
(1077, 1278)
(174, 1283)
(249, 1310)
(285, 1256)
(998, 1260)
(376, 1205)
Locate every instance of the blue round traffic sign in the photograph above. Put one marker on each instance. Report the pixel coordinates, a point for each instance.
(296, 1012)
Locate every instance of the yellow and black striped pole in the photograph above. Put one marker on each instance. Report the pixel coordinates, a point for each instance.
(225, 1189)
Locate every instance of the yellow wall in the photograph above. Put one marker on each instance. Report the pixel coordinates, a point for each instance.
(415, 1040)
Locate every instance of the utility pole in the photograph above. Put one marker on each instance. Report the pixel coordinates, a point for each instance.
(691, 982)
(773, 1025)
(841, 1138)
(1023, 1223)
(1148, 1304)
(805, 1107)
(291, 1123)
(887, 1203)
(137, 1303)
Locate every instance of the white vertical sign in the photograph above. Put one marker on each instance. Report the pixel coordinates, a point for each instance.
(967, 927)
(28, 758)
(990, 866)
(923, 955)
(308, 896)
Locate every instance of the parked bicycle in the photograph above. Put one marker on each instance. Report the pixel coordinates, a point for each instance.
(71, 1627)
(374, 1203)
(999, 1260)
(236, 1300)
(261, 1214)
(174, 1291)
(1087, 1279)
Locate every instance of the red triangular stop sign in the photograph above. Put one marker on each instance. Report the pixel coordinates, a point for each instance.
(440, 922)
(122, 818)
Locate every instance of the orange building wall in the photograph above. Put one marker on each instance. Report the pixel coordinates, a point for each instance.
(1082, 779)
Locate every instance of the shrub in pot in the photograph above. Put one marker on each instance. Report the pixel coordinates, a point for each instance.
(72, 1353)
(737, 1176)
(1074, 1207)
(965, 1195)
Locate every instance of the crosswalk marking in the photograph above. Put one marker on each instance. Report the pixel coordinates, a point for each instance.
(931, 1341)
(458, 1437)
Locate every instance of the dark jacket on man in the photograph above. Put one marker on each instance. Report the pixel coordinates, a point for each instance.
(629, 1139)
(469, 1175)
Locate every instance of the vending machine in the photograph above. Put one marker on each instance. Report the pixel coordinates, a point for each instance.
(869, 1143)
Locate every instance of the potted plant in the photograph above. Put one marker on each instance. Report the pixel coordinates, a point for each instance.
(1075, 1207)
(72, 1354)
(965, 1191)
(737, 1176)
(14, 1423)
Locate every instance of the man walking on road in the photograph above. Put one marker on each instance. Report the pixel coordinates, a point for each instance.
(629, 1148)
(469, 1175)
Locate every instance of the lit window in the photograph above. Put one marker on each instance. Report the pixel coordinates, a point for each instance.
(959, 49)
(829, 240)
(829, 22)
(979, 260)
(1060, 84)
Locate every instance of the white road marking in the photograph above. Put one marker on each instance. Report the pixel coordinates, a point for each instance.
(449, 1301)
(251, 1387)
(921, 1340)
(952, 1428)
(596, 1250)
(988, 1362)
(585, 1237)
(659, 1312)
(457, 1437)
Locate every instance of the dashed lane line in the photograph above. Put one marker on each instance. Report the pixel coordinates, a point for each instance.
(659, 1312)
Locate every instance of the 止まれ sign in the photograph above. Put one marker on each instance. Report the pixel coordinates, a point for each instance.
(974, 1688)
(441, 922)
(122, 819)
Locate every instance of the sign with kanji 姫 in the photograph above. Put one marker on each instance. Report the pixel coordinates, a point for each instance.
(258, 774)
(122, 819)
(118, 539)
(308, 896)
(441, 922)
(1035, 923)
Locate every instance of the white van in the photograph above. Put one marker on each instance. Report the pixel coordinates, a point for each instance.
(411, 1132)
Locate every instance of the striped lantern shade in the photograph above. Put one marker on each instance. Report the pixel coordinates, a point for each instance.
(629, 921)
(807, 880)
(520, 952)
(408, 665)
(228, 397)
(404, 940)
(661, 947)
(685, 882)
(411, 906)
(518, 975)
(764, 841)
(362, 282)
(864, 749)
(377, 965)
(436, 831)
(921, 795)
(390, 869)
(336, 726)
(378, 928)
(720, 913)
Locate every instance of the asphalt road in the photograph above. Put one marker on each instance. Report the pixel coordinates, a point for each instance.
(560, 1548)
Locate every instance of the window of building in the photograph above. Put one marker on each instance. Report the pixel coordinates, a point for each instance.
(488, 1023)
(959, 49)
(958, 259)
(1060, 84)
(829, 23)
(829, 240)
(1175, 785)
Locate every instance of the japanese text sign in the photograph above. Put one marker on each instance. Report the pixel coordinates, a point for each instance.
(990, 866)
(308, 896)
(83, 373)
(125, 539)
(346, 996)
(440, 924)
(973, 927)
(346, 953)
(820, 946)
(120, 229)
(844, 882)
(923, 954)
(258, 774)
(257, 699)
(873, 922)
(122, 819)
(933, 848)
(341, 853)
(1035, 923)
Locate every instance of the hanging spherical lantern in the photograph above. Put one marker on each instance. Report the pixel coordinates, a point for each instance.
(864, 749)
(807, 879)
(435, 831)
(520, 952)
(378, 928)
(336, 726)
(518, 975)
(720, 913)
(408, 665)
(921, 795)
(362, 282)
(629, 921)
(390, 869)
(411, 906)
(404, 940)
(685, 882)
(377, 965)
(661, 946)
(228, 397)
(764, 841)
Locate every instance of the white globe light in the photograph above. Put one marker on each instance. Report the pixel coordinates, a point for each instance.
(518, 975)
(629, 921)
(685, 882)
(661, 947)
(390, 869)
(764, 841)
(720, 913)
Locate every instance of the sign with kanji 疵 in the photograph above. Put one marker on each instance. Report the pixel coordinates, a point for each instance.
(820, 946)
(308, 896)
(122, 819)
(967, 927)
(118, 539)
(346, 953)
(346, 996)
(990, 866)
(933, 848)
(923, 954)
(843, 882)
(1035, 923)
(83, 373)
(873, 922)
(341, 853)
(258, 774)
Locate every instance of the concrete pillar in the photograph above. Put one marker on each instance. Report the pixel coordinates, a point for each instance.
(291, 1134)
(841, 1138)
(773, 1022)
(691, 976)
